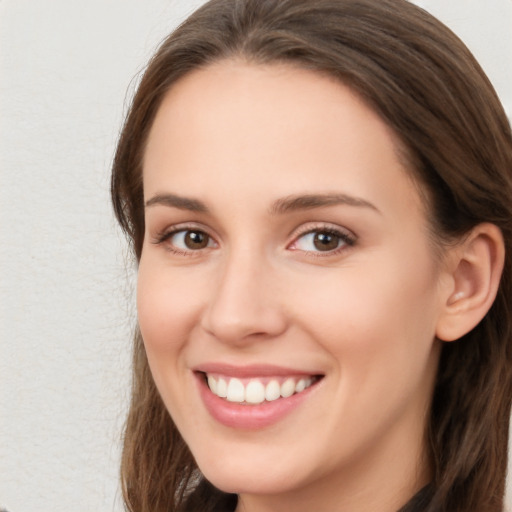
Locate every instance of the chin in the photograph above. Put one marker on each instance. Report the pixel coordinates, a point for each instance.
(252, 482)
(251, 475)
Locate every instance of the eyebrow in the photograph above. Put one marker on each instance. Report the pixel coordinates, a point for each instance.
(183, 203)
(311, 201)
(280, 206)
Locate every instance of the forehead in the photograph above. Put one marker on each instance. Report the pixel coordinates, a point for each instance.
(286, 99)
(250, 125)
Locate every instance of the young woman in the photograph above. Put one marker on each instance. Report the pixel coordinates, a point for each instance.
(318, 198)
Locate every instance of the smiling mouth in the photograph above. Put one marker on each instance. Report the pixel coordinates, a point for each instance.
(254, 391)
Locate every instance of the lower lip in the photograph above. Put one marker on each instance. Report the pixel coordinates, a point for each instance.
(250, 417)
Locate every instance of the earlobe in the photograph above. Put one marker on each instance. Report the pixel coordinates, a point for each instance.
(476, 265)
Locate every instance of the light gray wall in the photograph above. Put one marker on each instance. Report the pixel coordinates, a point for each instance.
(66, 293)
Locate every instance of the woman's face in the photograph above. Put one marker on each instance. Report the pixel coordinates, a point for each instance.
(286, 253)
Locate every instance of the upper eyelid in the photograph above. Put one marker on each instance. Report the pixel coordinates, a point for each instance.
(169, 231)
(306, 228)
(185, 226)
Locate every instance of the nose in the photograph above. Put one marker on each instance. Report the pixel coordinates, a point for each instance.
(245, 303)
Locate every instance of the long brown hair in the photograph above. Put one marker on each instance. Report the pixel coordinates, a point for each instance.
(425, 84)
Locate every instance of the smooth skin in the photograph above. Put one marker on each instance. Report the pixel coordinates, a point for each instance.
(238, 267)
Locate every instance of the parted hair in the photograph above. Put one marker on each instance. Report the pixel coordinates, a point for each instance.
(425, 84)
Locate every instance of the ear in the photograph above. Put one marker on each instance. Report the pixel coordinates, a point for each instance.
(474, 266)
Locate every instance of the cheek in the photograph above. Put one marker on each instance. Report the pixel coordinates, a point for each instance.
(380, 337)
(168, 305)
(167, 310)
(376, 323)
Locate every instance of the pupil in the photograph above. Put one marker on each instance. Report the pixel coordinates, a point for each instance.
(325, 242)
(196, 240)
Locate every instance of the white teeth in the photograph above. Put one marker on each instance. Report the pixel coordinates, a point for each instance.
(300, 386)
(272, 391)
(212, 384)
(222, 388)
(236, 391)
(287, 388)
(254, 391)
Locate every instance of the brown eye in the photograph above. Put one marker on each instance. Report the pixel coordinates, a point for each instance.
(195, 240)
(323, 240)
(186, 240)
(326, 241)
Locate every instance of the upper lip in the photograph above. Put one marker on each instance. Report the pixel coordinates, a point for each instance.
(252, 370)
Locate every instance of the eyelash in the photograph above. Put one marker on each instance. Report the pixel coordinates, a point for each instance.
(164, 236)
(346, 238)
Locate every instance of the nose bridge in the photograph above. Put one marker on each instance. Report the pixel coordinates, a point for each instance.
(244, 300)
